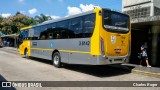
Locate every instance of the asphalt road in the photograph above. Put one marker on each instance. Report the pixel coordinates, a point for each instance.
(14, 67)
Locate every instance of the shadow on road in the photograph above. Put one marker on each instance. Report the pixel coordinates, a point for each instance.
(98, 71)
(2, 79)
(40, 60)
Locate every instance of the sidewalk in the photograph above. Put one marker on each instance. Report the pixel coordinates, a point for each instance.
(10, 48)
(152, 71)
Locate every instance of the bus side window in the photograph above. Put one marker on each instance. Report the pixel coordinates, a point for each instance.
(43, 36)
(64, 34)
(56, 34)
(49, 33)
(89, 24)
(71, 34)
(76, 25)
(62, 28)
(50, 36)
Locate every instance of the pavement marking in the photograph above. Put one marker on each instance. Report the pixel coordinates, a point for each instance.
(157, 75)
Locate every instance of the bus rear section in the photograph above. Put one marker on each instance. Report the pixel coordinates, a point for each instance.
(114, 37)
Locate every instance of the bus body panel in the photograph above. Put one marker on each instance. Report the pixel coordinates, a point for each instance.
(95, 39)
(25, 45)
(73, 55)
(68, 48)
(120, 42)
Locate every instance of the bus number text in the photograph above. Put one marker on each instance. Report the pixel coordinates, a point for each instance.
(84, 43)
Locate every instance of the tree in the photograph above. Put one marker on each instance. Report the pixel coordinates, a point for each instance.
(1, 19)
(41, 18)
(18, 13)
(13, 24)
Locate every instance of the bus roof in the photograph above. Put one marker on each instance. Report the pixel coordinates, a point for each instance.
(64, 18)
(57, 20)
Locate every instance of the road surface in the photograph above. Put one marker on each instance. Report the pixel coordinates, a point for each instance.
(13, 67)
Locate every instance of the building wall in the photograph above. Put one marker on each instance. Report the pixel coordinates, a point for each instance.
(156, 7)
(147, 31)
(133, 2)
(156, 3)
(141, 8)
(125, 8)
(138, 8)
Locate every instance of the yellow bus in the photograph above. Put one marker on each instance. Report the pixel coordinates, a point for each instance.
(97, 37)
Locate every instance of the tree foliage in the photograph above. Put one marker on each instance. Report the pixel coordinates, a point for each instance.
(41, 18)
(13, 24)
(1, 19)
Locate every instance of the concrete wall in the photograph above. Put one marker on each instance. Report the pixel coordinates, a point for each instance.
(133, 5)
(155, 32)
(133, 2)
(156, 3)
(136, 7)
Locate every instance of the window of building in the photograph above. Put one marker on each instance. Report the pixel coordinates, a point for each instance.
(139, 13)
(156, 11)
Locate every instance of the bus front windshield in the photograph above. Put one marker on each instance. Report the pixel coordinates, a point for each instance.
(24, 34)
(115, 21)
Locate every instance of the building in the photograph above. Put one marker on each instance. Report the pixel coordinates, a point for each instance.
(12, 38)
(145, 20)
(141, 8)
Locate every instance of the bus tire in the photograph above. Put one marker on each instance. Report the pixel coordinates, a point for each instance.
(56, 60)
(26, 54)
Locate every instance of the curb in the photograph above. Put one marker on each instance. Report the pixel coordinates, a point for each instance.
(157, 75)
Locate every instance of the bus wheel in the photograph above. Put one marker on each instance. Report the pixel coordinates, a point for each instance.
(56, 60)
(26, 54)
